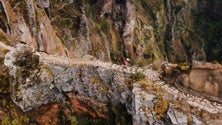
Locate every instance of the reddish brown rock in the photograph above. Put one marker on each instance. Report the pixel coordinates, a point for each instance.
(85, 105)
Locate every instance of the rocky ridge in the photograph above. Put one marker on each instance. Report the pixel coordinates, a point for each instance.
(55, 80)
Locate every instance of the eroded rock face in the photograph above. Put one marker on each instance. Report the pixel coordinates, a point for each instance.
(27, 76)
(39, 34)
(142, 30)
(36, 83)
(204, 78)
(123, 16)
(83, 42)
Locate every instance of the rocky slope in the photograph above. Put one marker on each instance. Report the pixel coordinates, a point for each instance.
(145, 31)
(83, 84)
(65, 43)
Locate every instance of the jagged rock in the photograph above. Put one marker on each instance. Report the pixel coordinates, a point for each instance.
(36, 84)
(178, 117)
(28, 92)
(142, 102)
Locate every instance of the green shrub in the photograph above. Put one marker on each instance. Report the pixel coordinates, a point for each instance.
(66, 23)
(117, 57)
(104, 26)
(138, 76)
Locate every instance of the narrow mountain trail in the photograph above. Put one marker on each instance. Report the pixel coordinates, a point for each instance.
(212, 107)
(151, 74)
(148, 72)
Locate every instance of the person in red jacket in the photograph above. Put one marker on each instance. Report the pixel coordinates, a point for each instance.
(125, 62)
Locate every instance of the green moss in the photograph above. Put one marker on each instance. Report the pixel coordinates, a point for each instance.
(104, 26)
(16, 122)
(73, 120)
(5, 121)
(7, 58)
(10, 115)
(48, 70)
(183, 66)
(143, 63)
(161, 108)
(95, 80)
(142, 83)
(65, 23)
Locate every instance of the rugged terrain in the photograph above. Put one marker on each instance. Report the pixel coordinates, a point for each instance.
(61, 62)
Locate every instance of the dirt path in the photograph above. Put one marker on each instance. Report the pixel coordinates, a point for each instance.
(149, 73)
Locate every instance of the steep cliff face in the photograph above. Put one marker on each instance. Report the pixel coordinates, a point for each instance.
(145, 31)
(28, 23)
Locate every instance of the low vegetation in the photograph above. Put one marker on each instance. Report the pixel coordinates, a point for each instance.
(137, 76)
(3, 38)
(183, 66)
(104, 26)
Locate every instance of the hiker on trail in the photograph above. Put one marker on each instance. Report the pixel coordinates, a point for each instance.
(125, 62)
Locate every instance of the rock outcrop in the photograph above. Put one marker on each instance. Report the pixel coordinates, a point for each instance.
(204, 78)
(36, 84)
(39, 80)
